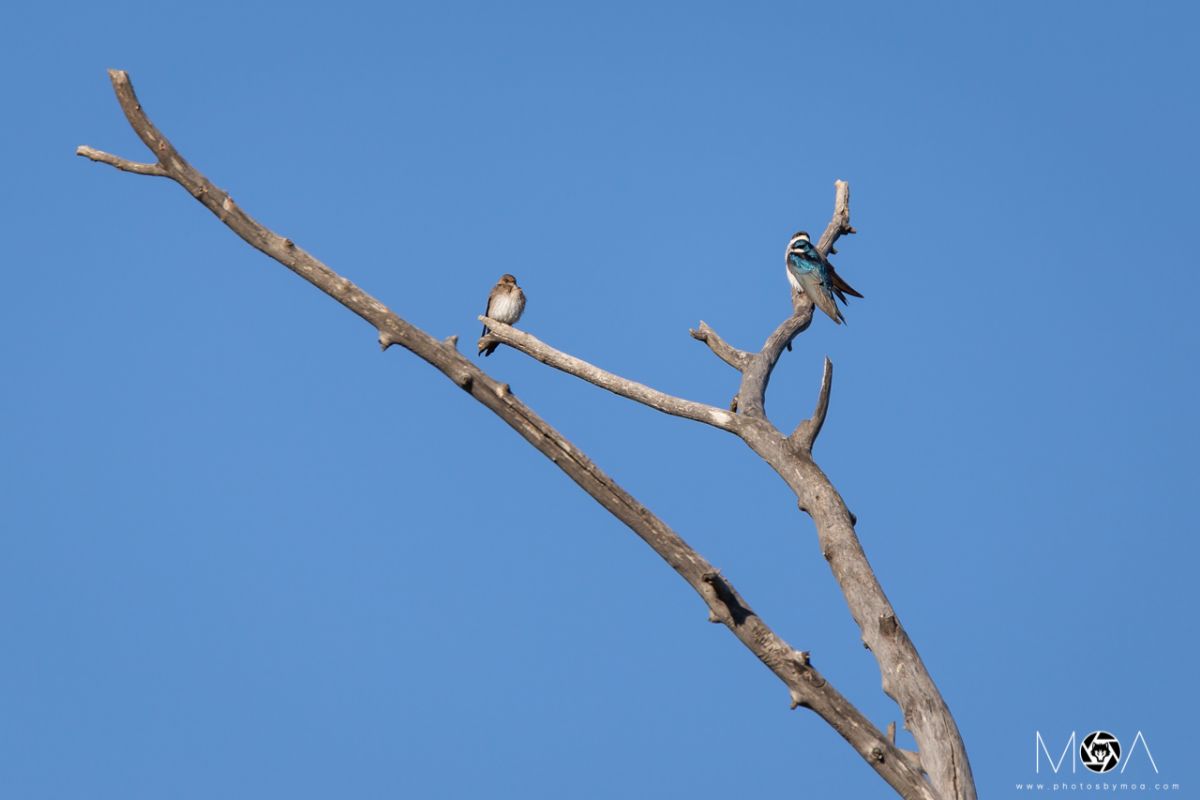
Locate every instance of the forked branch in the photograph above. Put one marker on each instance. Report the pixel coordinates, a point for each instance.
(757, 374)
(805, 685)
(905, 678)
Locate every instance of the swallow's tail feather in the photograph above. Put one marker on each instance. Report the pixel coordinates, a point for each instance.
(840, 286)
(821, 297)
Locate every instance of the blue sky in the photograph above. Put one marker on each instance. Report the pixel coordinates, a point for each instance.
(244, 554)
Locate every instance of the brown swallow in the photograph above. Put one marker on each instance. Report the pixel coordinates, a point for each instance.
(505, 304)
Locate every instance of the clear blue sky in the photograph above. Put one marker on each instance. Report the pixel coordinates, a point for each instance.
(245, 555)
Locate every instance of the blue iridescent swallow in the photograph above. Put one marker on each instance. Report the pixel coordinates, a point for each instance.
(811, 274)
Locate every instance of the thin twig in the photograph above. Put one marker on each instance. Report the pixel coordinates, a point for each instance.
(120, 163)
(738, 359)
(808, 430)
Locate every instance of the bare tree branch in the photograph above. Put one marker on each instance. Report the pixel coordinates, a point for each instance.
(120, 163)
(840, 224)
(668, 404)
(808, 430)
(753, 390)
(905, 678)
(805, 685)
(738, 359)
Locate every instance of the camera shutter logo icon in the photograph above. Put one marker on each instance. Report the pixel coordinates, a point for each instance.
(1100, 751)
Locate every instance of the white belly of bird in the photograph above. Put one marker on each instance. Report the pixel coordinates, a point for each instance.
(506, 309)
(792, 280)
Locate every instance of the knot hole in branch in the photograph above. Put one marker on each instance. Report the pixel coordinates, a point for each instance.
(729, 608)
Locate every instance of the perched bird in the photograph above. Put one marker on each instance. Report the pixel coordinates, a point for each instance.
(505, 304)
(811, 274)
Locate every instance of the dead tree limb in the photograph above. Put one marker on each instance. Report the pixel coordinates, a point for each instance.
(805, 685)
(639, 392)
(905, 678)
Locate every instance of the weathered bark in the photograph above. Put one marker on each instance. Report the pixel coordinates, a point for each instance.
(905, 678)
(789, 455)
